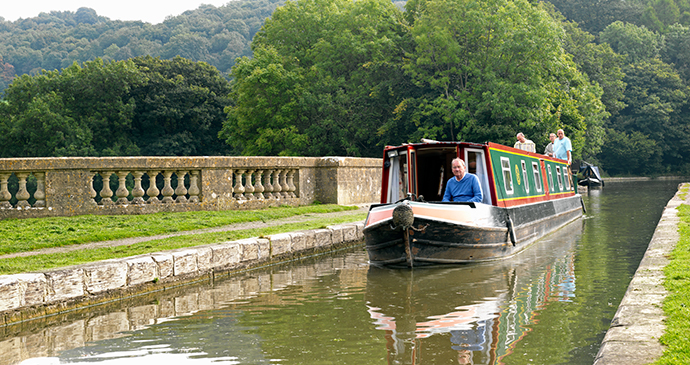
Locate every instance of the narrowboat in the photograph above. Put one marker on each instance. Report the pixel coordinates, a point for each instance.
(525, 197)
(588, 175)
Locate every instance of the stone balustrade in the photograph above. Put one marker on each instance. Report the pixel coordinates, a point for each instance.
(41, 187)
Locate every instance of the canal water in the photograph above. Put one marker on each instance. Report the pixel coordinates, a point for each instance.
(551, 304)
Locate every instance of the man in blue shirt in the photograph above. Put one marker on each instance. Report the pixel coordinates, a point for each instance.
(562, 148)
(463, 187)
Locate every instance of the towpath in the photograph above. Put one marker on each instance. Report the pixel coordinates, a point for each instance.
(633, 337)
(231, 227)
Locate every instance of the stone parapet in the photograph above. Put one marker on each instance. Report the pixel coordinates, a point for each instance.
(28, 296)
(67, 186)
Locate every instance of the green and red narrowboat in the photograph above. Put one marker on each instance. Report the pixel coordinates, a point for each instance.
(525, 197)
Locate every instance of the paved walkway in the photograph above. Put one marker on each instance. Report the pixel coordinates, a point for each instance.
(639, 322)
(232, 227)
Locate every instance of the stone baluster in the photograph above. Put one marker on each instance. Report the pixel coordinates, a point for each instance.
(181, 190)
(152, 191)
(106, 193)
(248, 186)
(23, 194)
(92, 192)
(122, 193)
(138, 191)
(40, 194)
(277, 188)
(5, 194)
(258, 187)
(193, 187)
(291, 183)
(283, 184)
(239, 188)
(167, 188)
(268, 187)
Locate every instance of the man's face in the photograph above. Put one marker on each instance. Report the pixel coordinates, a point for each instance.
(561, 134)
(521, 138)
(552, 137)
(458, 170)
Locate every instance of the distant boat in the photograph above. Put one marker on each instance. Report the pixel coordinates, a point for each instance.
(526, 196)
(589, 175)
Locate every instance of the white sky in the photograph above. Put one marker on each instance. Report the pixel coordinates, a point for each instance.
(152, 11)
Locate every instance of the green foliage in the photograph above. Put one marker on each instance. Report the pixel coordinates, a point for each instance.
(657, 108)
(677, 303)
(636, 42)
(630, 153)
(55, 40)
(676, 50)
(112, 108)
(489, 69)
(180, 109)
(594, 16)
(324, 76)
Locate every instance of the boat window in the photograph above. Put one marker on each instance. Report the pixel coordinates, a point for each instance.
(537, 176)
(551, 184)
(559, 177)
(524, 175)
(507, 177)
(565, 177)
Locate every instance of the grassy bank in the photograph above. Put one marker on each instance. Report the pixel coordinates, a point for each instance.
(32, 234)
(677, 304)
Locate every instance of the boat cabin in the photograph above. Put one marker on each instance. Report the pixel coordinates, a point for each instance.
(507, 176)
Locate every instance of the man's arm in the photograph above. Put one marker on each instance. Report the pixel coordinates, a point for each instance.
(447, 195)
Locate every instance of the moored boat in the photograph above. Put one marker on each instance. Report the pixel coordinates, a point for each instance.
(525, 196)
(588, 175)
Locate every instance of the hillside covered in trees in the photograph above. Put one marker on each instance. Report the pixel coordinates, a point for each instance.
(336, 77)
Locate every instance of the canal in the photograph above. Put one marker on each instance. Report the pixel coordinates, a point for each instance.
(551, 304)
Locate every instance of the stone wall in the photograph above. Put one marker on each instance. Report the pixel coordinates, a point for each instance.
(49, 336)
(43, 187)
(29, 296)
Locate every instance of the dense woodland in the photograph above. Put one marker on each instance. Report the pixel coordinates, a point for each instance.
(336, 77)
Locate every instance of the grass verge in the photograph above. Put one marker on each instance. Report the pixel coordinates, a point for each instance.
(677, 304)
(77, 257)
(23, 235)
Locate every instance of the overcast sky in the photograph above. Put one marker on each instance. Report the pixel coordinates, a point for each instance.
(152, 11)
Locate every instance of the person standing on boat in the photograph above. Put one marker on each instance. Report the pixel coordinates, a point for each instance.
(549, 147)
(463, 186)
(562, 148)
(524, 143)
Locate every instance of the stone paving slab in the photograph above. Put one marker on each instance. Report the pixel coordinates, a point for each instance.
(633, 337)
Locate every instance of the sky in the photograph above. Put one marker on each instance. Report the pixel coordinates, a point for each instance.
(151, 11)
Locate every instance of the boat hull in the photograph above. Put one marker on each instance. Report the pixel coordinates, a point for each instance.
(462, 233)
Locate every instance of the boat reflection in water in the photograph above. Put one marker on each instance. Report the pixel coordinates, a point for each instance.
(473, 314)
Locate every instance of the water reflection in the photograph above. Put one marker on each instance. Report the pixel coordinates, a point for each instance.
(470, 314)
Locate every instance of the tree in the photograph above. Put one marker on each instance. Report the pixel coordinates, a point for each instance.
(179, 109)
(326, 74)
(492, 68)
(631, 153)
(595, 16)
(83, 110)
(676, 50)
(657, 108)
(636, 42)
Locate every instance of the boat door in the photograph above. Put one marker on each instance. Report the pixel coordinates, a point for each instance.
(398, 184)
(475, 159)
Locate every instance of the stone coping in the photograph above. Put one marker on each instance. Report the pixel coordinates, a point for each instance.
(154, 162)
(633, 337)
(30, 296)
